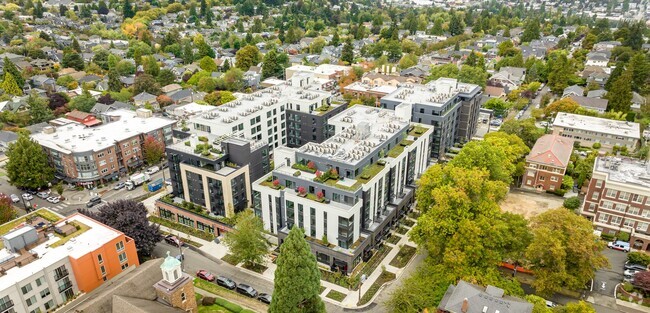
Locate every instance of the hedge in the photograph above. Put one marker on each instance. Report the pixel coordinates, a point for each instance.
(236, 308)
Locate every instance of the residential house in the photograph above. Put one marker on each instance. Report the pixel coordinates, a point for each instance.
(511, 77)
(595, 104)
(42, 65)
(637, 102)
(144, 98)
(7, 138)
(588, 130)
(43, 82)
(547, 162)
(84, 118)
(469, 298)
(573, 90)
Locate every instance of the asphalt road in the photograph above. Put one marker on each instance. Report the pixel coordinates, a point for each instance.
(610, 276)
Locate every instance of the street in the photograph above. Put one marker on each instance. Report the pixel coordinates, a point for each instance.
(75, 199)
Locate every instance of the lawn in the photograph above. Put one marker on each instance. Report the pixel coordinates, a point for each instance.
(6, 227)
(322, 288)
(383, 278)
(229, 294)
(408, 222)
(230, 259)
(82, 229)
(336, 296)
(394, 239)
(257, 268)
(403, 256)
(401, 230)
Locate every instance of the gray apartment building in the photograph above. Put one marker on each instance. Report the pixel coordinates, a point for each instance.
(450, 106)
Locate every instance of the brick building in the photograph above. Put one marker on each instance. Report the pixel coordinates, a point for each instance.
(546, 163)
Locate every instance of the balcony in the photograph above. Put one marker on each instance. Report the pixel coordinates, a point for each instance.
(66, 286)
(58, 274)
(6, 306)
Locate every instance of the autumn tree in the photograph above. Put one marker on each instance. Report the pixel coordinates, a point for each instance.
(7, 211)
(10, 67)
(28, 165)
(246, 57)
(153, 150)
(566, 105)
(564, 252)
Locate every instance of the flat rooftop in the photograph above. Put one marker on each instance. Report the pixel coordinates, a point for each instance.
(624, 170)
(435, 93)
(597, 124)
(199, 142)
(366, 129)
(76, 137)
(90, 240)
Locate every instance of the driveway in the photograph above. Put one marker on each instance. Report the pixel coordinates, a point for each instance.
(612, 275)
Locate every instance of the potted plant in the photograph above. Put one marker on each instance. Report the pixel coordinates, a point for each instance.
(320, 196)
(276, 184)
(311, 165)
(302, 191)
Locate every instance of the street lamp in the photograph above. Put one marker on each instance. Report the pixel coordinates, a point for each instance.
(361, 281)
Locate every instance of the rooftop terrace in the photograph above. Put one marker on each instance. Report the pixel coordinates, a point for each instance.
(436, 93)
(624, 170)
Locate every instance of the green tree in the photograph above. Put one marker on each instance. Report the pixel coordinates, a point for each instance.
(578, 307)
(28, 166)
(10, 67)
(127, 10)
(234, 79)
(620, 94)
(246, 57)
(274, 64)
(150, 65)
(84, 102)
(566, 105)
(640, 73)
(39, 111)
(297, 278)
(498, 105)
(347, 54)
(456, 25)
(101, 59)
(188, 53)
(206, 84)
(336, 40)
(153, 150)
(248, 243)
(10, 86)
(408, 60)
(616, 73)
(166, 77)
(531, 30)
(146, 83)
(539, 304)
(207, 64)
(524, 129)
(572, 203)
(559, 73)
(114, 83)
(72, 59)
(564, 252)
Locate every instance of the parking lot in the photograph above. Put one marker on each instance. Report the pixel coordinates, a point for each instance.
(610, 276)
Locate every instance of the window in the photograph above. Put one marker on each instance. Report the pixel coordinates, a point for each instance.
(607, 205)
(122, 257)
(45, 293)
(100, 259)
(553, 179)
(637, 198)
(628, 223)
(592, 207)
(40, 281)
(616, 220)
(119, 246)
(125, 265)
(624, 195)
(183, 297)
(620, 207)
(645, 213)
(31, 301)
(640, 226)
(27, 288)
(633, 211)
(603, 218)
(611, 193)
(103, 269)
(595, 195)
(49, 304)
(542, 178)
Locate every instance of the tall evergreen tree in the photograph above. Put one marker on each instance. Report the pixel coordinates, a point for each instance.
(455, 25)
(10, 86)
(336, 40)
(127, 10)
(188, 53)
(274, 64)
(38, 109)
(616, 73)
(114, 83)
(297, 278)
(620, 94)
(531, 30)
(640, 66)
(347, 54)
(75, 44)
(10, 67)
(204, 8)
(28, 166)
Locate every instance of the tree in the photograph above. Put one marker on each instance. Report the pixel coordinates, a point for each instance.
(347, 54)
(10, 86)
(524, 129)
(408, 60)
(531, 30)
(234, 79)
(28, 166)
(114, 83)
(498, 105)
(566, 105)
(102, 8)
(274, 64)
(640, 73)
(560, 71)
(153, 150)
(124, 67)
(564, 252)
(38, 109)
(206, 84)
(297, 277)
(101, 59)
(146, 83)
(620, 94)
(572, 203)
(456, 25)
(129, 217)
(127, 10)
(188, 53)
(539, 304)
(336, 40)
(638, 258)
(579, 307)
(248, 243)
(84, 102)
(616, 73)
(166, 77)
(7, 211)
(57, 100)
(10, 67)
(150, 65)
(207, 64)
(246, 57)
(72, 59)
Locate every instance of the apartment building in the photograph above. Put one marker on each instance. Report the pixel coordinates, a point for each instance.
(326, 72)
(215, 172)
(44, 265)
(588, 130)
(618, 199)
(547, 162)
(262, 115)
(450, 106)
(348, 191)
(89, 156)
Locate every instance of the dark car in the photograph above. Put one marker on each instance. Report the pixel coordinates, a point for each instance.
(264, 297)
(173, 240)
(635, 267)
(203, 274)
(247, 290)
(94, 201)
(226, 282)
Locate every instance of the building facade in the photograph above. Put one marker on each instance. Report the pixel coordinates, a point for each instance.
(618, 199)
(41, 271)
(89, 156)
(547, 162)
(347, 192)
(449, 106)
(589, 130)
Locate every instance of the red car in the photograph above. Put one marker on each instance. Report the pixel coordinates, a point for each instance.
(203, 274)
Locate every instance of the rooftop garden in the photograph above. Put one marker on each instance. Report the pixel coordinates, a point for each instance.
(323, 109)
(44, 213)
(270, 182)
(417, 131)
(204, 148)
(397, 150)
(310, 167)
(195, 208)
(81, 228)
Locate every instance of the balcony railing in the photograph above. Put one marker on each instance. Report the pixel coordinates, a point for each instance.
(66, 286)
(6, 306)
(58, 274)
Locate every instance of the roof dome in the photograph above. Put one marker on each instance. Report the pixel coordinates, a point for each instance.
(170, 263)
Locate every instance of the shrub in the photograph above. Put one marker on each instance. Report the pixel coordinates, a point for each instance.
(572, 203)
(228, 305)
(320, 195)
(607, 237)
(187, 143)
(276, 183)
(628, 287)
(203, 138)
(623, 236)
(311, 165)
(296, 173)
(638, 258)
(596, 145)
(301, 190)
(207, 301)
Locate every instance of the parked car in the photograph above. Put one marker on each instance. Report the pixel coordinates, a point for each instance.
(119, 186)
(635, 267)
(264, 297)
(247, 290)
(27, 196)
(550, 304)
(14, 198)
(53, 199)
(173, 240)
(152, 170)
(168, 182)
(226, 282)
(93, 201)
(630, 272)
(203, 274)
(43, 194)
(619, 245)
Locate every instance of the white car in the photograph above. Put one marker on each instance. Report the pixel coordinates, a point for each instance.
(14, 198)
(53, 199)
(27, 196)
(152, 170)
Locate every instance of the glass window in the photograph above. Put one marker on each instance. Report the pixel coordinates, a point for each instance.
(611, 193)
(119, 246)
(595, 195)
(122, 257)
(27, 288)
(103, 270)
(31, 301)
(45, 292)
(641, 226)
(100, 259)
(40, 281)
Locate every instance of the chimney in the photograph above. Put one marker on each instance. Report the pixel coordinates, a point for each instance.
(465, 306)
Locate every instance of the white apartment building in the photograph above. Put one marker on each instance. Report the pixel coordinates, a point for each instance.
(348, 191)
(588, 130)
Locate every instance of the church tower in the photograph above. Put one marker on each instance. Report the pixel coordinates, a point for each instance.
(176, 287)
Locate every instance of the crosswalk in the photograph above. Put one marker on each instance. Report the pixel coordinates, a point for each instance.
(58, 207)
